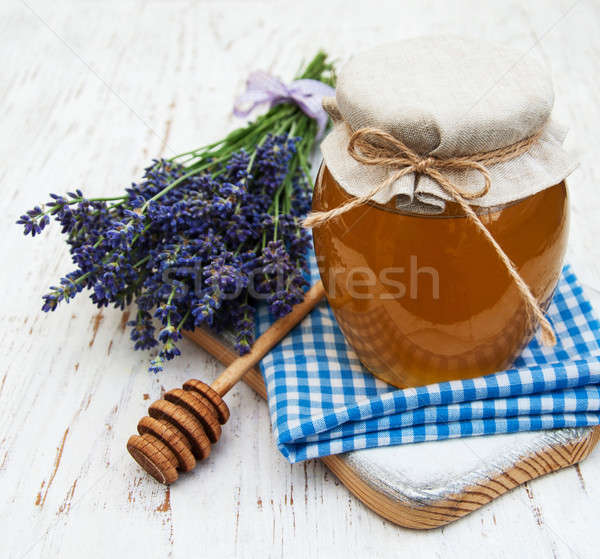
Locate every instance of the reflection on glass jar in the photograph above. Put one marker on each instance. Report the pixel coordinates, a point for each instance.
(425, 298)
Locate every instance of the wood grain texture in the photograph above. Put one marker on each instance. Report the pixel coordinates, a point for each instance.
(90, 91)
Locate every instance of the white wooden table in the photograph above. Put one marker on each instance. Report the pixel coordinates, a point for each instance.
(89, 93)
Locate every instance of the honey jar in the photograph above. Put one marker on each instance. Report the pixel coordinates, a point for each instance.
(440, 213)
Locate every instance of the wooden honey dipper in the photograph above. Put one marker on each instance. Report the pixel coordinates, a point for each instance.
(181, 426)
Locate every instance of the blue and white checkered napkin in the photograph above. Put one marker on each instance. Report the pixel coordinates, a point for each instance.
(322, 401)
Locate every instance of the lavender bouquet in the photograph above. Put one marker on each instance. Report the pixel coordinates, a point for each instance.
(206, 233)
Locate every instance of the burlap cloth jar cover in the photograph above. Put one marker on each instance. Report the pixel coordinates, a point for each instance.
(446, 97)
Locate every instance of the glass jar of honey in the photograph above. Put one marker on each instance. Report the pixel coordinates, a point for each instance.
(423, 299)
(418, 290)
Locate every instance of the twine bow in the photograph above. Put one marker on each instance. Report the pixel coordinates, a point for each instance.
(371, 146)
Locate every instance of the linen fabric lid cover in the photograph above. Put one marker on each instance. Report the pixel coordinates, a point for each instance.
(446, 97)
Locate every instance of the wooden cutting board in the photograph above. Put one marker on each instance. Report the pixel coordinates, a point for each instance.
(427, 485)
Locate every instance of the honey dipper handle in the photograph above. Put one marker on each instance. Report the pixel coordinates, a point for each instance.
(263, 344)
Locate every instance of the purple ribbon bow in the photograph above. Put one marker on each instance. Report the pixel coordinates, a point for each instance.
(264, 88)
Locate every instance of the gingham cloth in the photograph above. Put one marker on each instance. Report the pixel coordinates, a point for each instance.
(322, 401)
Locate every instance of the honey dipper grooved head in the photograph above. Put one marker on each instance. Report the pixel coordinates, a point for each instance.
(152, 455)
(201, 412)
(205, 401)
(172, 437)
(186, 423)
(211, 394)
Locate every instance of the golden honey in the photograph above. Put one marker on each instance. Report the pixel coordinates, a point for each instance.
(425, 298)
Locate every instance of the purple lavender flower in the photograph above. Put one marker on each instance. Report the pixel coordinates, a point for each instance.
(142, 331)
(201, 239)
(34, 221)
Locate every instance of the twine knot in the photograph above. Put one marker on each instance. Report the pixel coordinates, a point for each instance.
(371, 146)
(424, 164)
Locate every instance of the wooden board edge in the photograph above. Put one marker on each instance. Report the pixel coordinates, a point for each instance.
(411, 514)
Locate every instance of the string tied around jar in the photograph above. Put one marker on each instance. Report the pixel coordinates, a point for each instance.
(372, 146)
